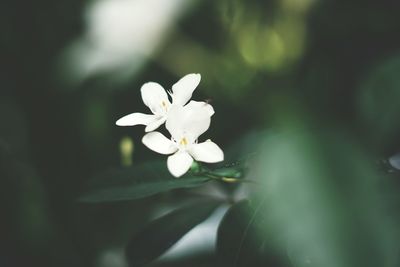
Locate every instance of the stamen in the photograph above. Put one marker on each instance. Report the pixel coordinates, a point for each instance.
(183, 141)
(164, 105)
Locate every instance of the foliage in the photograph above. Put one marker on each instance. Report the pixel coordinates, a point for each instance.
(136, 182)
(306, 97)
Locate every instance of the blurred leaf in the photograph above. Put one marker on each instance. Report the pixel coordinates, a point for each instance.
(26, 227)
(158, 236)
(138, 181)
(239, 156)
(247, 146)
(379, 102)
(233, 172)
(13, 127)
(323, 194)
(239, 242)
(395, 161)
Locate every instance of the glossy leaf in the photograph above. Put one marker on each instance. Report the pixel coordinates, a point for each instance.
(138, 181)
(322, 193)
(240, 239)
(158, 236)
(232, 172)
(243, 150)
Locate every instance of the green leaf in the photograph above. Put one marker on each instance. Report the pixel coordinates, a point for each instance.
(240, 240)
(245, 146)
(158, 236)
(138, 181)
(230, 172)
(379, 104)
(234, 233)
(242, 152)
(323, 194)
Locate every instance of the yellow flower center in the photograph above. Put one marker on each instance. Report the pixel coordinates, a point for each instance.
(183, 141)
(164, 105)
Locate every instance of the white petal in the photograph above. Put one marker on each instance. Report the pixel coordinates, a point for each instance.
(159, 143)
(179, 163)
(186, 121)
(136, 119)
(154, 96)
(183, 89)
(154, 124)
(207, 106)
(207, 151)
(175, 121)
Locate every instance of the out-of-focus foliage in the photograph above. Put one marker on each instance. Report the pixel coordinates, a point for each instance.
(379, 101)
(323, 197)
(162, 233)
(239, 242)
(395, 161)
(138, 182)
(313, 84)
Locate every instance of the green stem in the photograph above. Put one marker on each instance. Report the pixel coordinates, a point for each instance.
(227, 179)
(206, 172)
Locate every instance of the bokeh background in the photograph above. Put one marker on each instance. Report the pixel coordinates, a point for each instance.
(325, 72)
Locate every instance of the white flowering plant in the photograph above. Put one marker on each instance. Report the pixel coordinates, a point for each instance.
(185, 123)
(192, 161)
(295, 174)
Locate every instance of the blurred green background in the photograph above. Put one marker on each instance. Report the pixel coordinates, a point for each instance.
(321, 79)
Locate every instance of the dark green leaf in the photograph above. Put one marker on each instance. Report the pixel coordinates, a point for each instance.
(161, 234)
(13, 129)
(322, 193)
(136, 182)
(244, 147)
(234, 234)
(379, 102)
(230, 172)
(240, 240)
(239, 155)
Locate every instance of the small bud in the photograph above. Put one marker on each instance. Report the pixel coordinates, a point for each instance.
(126, 149)
(196, 167)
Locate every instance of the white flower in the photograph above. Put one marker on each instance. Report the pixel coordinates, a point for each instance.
(185, 124)
(155, 97)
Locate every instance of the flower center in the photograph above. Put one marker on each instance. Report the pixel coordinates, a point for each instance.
(164, 106)
(183, 142)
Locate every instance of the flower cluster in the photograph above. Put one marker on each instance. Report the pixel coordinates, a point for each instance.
(184, 121)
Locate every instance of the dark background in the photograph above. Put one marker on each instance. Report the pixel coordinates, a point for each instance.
(338, 61)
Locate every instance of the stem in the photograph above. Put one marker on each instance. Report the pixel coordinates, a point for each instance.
(228, 179)
(206, 172)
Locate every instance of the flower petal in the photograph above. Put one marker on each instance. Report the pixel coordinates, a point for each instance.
(154, 124)
(155, 97)
(183, 89)
(136, 119)
(207, 151)
(179, 163)
(186, 121)
(193, 104)
(159, 143)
